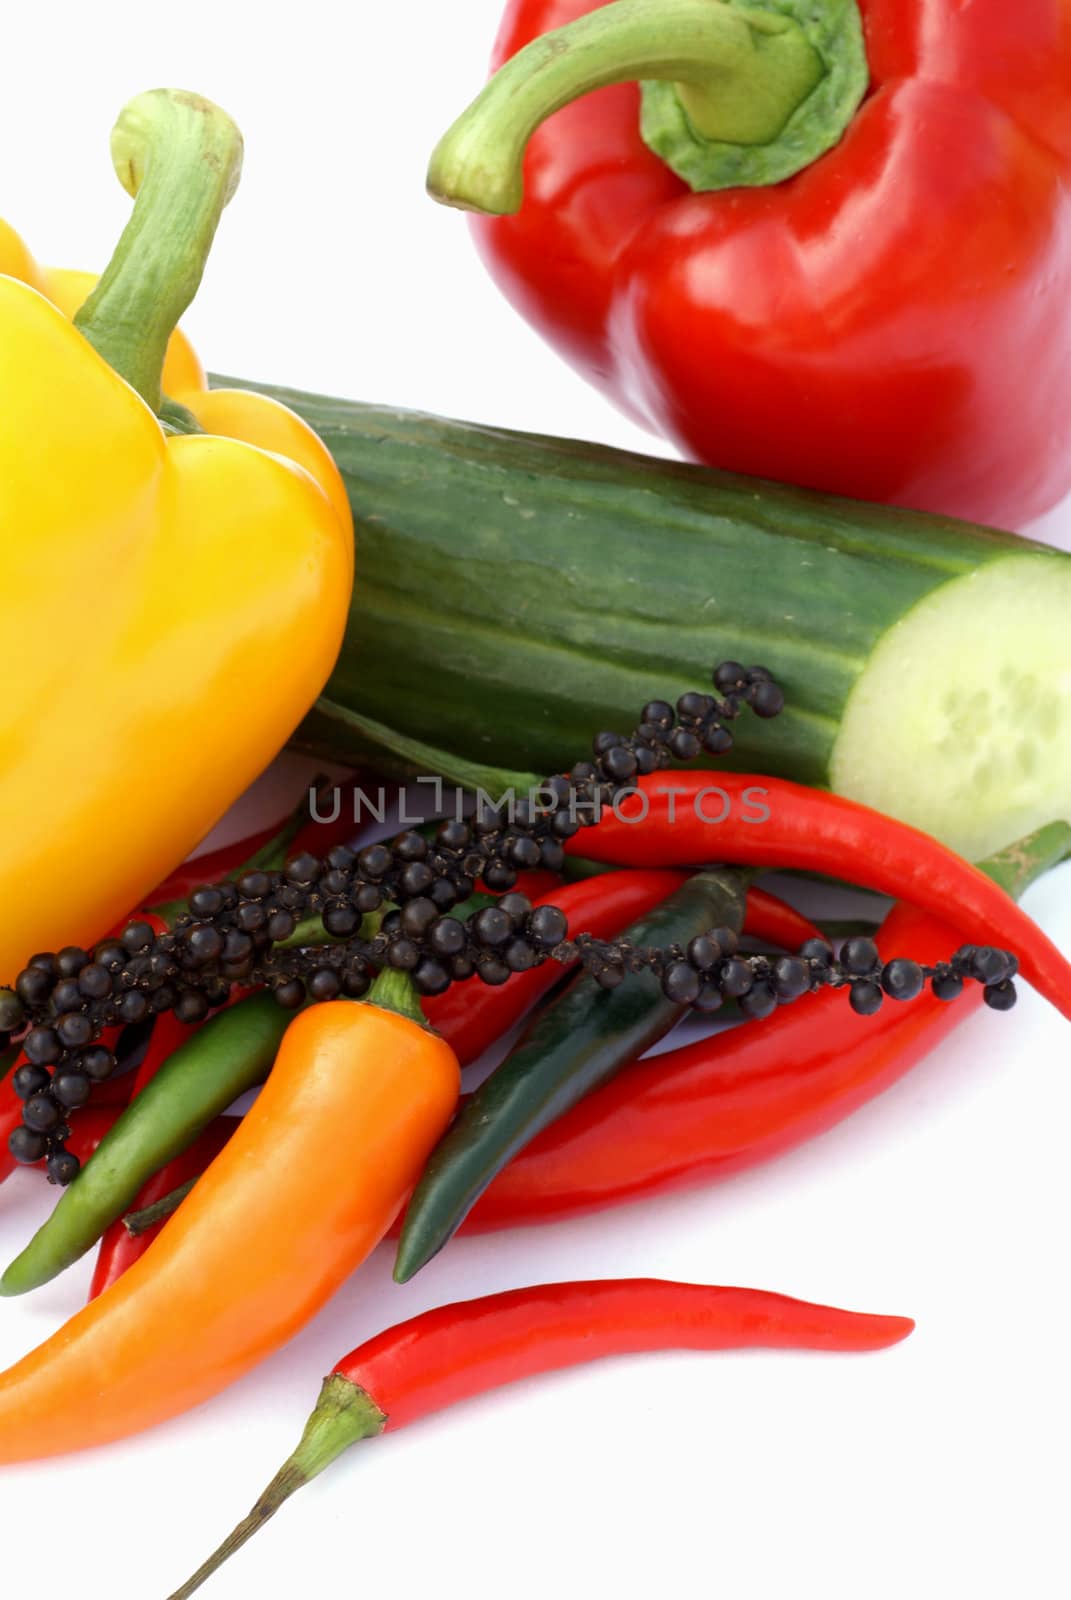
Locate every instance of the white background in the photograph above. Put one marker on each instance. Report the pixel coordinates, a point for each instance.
(935, 1468)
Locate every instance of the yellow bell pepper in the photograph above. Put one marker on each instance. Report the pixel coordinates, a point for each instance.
(173, 601)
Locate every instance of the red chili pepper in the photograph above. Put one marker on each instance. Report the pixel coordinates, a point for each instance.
(88, 1127)
(729, 1101)
(893, 323)
(457, 1351)
(688, 818)
(211, 867)
(10, 1118)
(471, 1018)
(536, 884)
(168, 1033)
(770, 920)
(119, 1248)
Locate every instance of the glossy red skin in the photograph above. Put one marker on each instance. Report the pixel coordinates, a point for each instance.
(730, 1101)
(109, 1096)
(893, 323)
(687, 1117)
(815, 831)
(458, 1351)
(471, 1016)
(770, 920)
(212, 867)
(88, 1127)
(119, 1249)
(168, 1034)
(471, 1022)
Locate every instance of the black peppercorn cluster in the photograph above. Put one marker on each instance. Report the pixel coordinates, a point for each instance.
(321, 929)
(697, 723)
(712, 969)
(870, 980)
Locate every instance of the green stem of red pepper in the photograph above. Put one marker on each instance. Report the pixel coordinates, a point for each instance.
(734, 94)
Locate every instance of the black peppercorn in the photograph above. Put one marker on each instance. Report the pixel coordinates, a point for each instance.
(71, 1088)
(41, 1113)
(947, 985)
(42, 1046)
(736, 977)
(430, 976)
(902, 980)
(74, 1029)
(62, 1167)
(98, 1062)
(1000, 996)
(491, 926)
(71, 960)
(704, 952)
(681, 983)
(548, 926)
(289, 994)
(26, 1145)
(416, 878)
(865, 997)
(859, 956)
(191, 1007)
(324, 984)
(759, 1002)
(340, 918)
(135, 937)
(206, 901)
(791, 977)
(95, 981)
(30, 1080)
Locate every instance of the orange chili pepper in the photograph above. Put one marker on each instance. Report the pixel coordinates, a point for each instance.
(301, 1194)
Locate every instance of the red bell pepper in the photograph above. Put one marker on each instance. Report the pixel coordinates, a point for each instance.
(892, 322)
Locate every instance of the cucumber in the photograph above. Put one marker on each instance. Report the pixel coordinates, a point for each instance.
(516, 593)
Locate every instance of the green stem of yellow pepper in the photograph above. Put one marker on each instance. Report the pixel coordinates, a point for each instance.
(180, 157)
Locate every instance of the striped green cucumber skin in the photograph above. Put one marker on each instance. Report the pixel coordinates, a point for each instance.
(516, 593)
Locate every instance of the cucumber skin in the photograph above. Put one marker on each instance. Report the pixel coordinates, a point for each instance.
(515, 593)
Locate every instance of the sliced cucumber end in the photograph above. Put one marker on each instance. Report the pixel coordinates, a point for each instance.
(961, 721)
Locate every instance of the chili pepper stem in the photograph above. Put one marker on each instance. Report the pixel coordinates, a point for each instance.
(180, 156)
(735, 76)
(344, 1414)
(394, 991)
(139, 1222)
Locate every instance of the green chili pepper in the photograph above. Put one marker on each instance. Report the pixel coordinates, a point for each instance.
(230, 1054)
(573, 1045)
